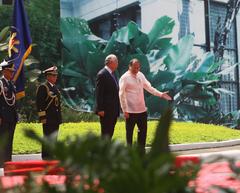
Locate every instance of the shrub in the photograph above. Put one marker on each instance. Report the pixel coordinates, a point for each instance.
(70, 115)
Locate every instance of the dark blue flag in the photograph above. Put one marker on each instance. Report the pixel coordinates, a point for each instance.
(20, 45)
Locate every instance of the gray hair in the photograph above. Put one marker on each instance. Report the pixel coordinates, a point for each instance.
(109, 58)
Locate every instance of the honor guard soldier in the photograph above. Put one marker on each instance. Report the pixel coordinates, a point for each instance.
(8, 113)
(49, 108)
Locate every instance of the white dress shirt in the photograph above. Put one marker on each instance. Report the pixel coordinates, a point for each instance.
(131, 92)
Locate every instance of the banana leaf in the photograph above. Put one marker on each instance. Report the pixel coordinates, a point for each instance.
(179, 55)
(162, 27)
(130, 36)
(95, 61)
(206, 63)
(191, 112)
(156, 106)
(4, 34)
(162, 77)
(199, 76)
(72, 26)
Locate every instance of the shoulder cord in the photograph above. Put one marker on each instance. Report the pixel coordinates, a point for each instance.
(52, 98)
(13, 98)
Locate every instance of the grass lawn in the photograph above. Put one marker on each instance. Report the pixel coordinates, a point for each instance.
(180, 132)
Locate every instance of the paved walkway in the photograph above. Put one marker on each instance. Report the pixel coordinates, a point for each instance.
(228, 152)
(25, 157)
(226, 148)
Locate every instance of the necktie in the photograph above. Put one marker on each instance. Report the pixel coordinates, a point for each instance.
(114, 78)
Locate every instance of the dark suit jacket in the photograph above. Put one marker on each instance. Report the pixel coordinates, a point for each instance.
(8, 112)
(107, 97)
(49, 104)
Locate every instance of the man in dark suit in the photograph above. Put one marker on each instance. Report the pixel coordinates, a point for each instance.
(49, 108)
(8, 113)
(107, 98)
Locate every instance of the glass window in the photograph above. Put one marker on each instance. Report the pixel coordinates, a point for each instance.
(192, 20)
(106, 25)
(218, 10)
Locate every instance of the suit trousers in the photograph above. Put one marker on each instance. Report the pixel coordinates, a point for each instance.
(141, 120)
(108, 123)
(50, 132)
(6, 141)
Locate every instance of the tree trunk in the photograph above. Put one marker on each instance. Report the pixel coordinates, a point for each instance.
(222, 31)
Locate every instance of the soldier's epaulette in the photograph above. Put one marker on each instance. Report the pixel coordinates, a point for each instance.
(49, 96)
(48, 93)
(47, 89)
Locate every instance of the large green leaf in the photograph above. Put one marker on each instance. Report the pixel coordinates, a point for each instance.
(95, 61)
(162, 43)
(155, 58)
(202, 95)
(191, 112)
(74, 27)
(214, 68)
(156, 106)
(71, 72)
(179, 55)
(199, 76)
(76, 31)
(93, 38)
(3, 47)
(205, 63)
(162, 27)
(33, 74)
(231, 119)
(4, 38)
(162, 77)
(30, 60)
(130, 36)
(4, 34)
(79, 53)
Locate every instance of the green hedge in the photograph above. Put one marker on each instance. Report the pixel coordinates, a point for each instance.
(180, 132)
